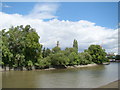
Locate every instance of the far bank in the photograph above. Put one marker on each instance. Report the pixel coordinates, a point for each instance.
(51, 68)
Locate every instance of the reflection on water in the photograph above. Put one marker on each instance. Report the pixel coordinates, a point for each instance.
(87, 77)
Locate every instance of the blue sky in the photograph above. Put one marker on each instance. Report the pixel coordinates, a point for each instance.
(104, 14)
(88, 23)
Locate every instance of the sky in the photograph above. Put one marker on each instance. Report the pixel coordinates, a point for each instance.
(88, 22)
(102, 13)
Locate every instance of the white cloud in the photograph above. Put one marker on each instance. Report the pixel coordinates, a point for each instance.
(54, 30)
(44, 11)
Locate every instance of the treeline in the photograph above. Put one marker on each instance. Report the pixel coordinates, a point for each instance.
(21, 49)
(112, 56)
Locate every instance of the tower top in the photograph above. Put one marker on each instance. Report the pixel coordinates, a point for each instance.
(57, 43)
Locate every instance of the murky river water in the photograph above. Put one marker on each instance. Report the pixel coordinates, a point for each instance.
(86, 77)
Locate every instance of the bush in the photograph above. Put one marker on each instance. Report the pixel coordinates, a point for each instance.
(85, 58)
(59, 59)
(73, 57)
(117, 57)
(43, 63)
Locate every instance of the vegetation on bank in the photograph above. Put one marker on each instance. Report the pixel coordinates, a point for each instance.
(113, 57)
(21, 48)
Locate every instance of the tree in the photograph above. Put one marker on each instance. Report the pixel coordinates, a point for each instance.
(111, 56)
(117, 57)
(56, 50)
(32, 46)
(16, 42)
(19, 61)
(69, 50)
(75, 44)
(73, 57)
(29, 65)
(48, 52)
(6, 54)
(59, 60)
(43, 53)
(98, 54)
(84, 58)
(57, 43)
(20, 48)
(44, 62)
(20, 45)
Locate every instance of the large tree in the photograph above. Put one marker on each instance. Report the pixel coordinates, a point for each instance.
(32, 46)
(98, 54)
(6, 54)
(20, 45)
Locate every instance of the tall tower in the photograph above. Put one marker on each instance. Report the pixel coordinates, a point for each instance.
(101, 45)
(57, 43)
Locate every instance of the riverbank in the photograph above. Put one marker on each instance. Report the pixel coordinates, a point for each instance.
(75, 66)
(79, 66)
(67, 67)
(114, 84)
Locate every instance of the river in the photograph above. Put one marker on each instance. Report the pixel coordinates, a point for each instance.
(85, 77)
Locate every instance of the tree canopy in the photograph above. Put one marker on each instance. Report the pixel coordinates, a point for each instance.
(21, 48)
(98, 54)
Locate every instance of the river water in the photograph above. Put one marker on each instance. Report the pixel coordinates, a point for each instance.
(85, 77)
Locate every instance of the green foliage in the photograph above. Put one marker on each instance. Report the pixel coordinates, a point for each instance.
(44, 62)
(43, 53)
(117, 57)
(85, 58)
(98, 54)
(33, 48)
(69, 50)
(56, 50)
(111, 57)
(29, 63)
(75, 45)
(19, 60)
(20, 48)
(20, 45)
(6, 54)
(59, 59)
(46, 52)
(73, 57)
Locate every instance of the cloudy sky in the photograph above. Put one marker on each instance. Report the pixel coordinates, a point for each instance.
(89, 23)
